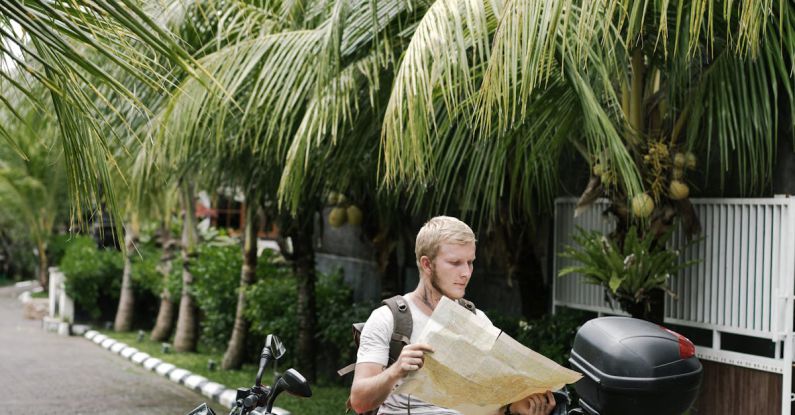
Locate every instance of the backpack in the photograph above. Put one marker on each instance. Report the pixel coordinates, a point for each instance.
(401, 334)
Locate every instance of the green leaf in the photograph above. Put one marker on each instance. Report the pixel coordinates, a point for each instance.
(615, 283)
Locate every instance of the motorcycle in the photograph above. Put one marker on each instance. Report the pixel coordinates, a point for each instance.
(258, 396)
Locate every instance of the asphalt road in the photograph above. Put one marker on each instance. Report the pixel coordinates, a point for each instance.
(44, 373)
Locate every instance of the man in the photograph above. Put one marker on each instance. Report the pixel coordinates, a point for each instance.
(445, 252)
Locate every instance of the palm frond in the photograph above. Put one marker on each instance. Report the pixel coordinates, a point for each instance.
(740, 122)
(450, 40)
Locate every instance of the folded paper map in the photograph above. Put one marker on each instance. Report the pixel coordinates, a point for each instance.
(475, 368)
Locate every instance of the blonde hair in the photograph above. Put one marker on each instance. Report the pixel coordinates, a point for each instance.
(439, 230)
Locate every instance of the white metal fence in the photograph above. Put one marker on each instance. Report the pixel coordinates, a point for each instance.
(743, 283)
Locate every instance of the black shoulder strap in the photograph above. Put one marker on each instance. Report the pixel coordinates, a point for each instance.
(404, 324)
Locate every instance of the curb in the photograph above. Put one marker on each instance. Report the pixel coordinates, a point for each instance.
(215, 391)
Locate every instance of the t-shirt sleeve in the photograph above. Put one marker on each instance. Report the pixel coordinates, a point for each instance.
(374, 340)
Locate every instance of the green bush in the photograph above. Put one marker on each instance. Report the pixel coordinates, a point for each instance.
(335, 315)
(216, 277)
(93, 276)
(272, 306)
(18, 259)
(553, 334)
(56, 247)
(145, 275)
(273, 309)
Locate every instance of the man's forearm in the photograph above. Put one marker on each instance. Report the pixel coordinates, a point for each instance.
(370, 392)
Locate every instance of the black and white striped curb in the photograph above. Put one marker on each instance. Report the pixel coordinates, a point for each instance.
(215, 391)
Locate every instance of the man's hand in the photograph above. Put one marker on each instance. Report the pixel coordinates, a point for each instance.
(411, 359)
(536, 404)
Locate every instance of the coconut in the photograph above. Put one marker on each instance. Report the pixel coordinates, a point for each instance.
(332, 199)
(642, 205)
(678, 190)
(678, 173)
(337, 217)
(690, 160)
(355, 215)
(680, 160)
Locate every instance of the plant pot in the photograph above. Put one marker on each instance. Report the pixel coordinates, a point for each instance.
(651, 310)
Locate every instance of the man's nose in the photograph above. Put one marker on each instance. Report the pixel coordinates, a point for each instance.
(466, 271)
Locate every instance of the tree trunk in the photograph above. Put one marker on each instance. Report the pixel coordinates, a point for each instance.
(304, 268)
(44, 272)
(233, 357)
(186, 336)
(126, 309)
(165, 314)
(165, 318)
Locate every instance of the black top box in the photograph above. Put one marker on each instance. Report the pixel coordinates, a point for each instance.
(632, 366)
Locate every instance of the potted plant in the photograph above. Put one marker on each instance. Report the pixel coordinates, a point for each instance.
(635, 273)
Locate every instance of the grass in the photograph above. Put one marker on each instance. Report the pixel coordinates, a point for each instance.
(40, 294)
(326, 399)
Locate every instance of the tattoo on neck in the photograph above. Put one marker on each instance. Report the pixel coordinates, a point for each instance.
(427, 298)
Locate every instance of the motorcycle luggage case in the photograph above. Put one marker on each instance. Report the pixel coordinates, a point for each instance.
(631, 366)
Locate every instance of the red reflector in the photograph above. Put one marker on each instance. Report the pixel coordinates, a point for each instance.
(686, 347)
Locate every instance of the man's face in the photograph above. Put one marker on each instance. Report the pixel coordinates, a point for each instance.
(452, 269)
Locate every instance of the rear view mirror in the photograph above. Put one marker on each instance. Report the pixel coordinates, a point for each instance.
(291, 382)
(275, 345)
(294, 383)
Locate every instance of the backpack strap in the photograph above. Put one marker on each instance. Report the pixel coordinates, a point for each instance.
(404, 324)
(469, 305)
(401, 334)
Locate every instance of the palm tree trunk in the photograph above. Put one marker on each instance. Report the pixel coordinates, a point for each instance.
(165, 314)
(165, 318)
(636, 108)
(304, 269)
(126, 309)
(186, 336)
(233, 357)
(44, 273)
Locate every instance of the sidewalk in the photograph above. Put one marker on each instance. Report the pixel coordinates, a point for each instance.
(47, 373)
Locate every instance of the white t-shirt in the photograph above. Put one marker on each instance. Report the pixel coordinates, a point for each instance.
(374, 348)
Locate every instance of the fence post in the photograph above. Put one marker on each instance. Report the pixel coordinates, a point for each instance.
(786, 288)
(55, 285)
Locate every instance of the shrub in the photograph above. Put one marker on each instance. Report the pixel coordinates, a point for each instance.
(553, 334)
(273, 309)
(56, 247)
(216, 277)
(335, 315)
(145, 275)
(93, 276)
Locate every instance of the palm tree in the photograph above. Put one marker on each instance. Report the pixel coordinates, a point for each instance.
(165, 311)
(186, 337)
(31, 188)
(126, 308)
(302, 75)
(640, 90)
(77, 54)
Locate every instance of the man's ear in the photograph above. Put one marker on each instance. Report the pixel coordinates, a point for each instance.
(425, 263)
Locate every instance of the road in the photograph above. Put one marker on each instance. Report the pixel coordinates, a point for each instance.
(44, 373)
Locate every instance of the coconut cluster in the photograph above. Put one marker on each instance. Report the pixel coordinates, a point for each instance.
(643, 204)
(343, 211)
